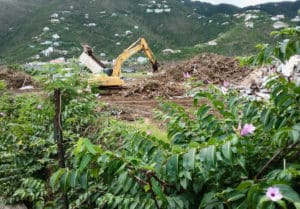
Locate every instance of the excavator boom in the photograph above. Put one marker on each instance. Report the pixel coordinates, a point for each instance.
(139, 45)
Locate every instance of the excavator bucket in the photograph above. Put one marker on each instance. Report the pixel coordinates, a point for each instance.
(90, 61)
(155, 67)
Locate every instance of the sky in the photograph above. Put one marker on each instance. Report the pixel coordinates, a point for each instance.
(240, 3)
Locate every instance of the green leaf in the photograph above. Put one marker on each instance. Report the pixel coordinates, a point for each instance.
(65, 179)
(85, 161)
(226, 151)
(282, 204)
(202, 111)
(74, 178)
(295, 133)
(171, 202)
(211, 155)
(79, 146)
(235, 197)
(156, 187)
(297, 205)
(175, 202)
(89, 146)
(147, 187)
(244, 185)
(283, 46)
(266, 117)
(218, 105)
(187, 175)
(55, 178)
(265, 203)
(209, 201)
(189, 159)
(179, 202)
(128, 184)
(134, 205)
(184, 183)
(172, 167)
(288, 193)
(253, 196)
(83, 181)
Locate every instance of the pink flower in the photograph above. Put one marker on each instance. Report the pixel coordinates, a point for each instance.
(226, 84)
(274, 194)
(186, 75)
(149, 132)
(247, 129)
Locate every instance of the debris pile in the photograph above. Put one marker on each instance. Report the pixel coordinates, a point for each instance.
(155, 88)
(209, 68)
(16, 79)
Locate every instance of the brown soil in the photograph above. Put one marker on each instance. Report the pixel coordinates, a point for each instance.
(130, 110)
(152, 88)
(15, 79)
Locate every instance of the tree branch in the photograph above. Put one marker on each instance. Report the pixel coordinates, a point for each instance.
(274, 157)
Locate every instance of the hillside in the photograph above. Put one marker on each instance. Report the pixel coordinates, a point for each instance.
(44, 30)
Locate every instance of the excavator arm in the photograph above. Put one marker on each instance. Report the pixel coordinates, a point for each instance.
(139, 45)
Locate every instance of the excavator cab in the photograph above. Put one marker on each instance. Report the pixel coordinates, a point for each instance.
(108, 71)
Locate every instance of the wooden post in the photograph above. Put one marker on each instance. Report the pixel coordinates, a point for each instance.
(58, 136)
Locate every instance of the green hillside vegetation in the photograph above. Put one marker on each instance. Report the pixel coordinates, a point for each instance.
(186, 25)
(231, 44)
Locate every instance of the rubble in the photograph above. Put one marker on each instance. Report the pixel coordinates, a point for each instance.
(26, 87)
(149, 89)
(16, 79)
(209, 68)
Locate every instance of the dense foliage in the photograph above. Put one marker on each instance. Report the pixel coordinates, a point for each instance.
(209, 162)
(282, 51)
(27, 147)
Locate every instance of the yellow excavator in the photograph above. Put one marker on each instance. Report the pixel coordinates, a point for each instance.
(112, 77)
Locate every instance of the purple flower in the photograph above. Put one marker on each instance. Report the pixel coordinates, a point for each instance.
(186, 75)
(226, 84)
(274, 194)
(247, 129)
(149, 132)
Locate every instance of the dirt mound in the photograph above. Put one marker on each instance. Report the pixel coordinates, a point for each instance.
(209, 68)
(154, 88)
(16, 79)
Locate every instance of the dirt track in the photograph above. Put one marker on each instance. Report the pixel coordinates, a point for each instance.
(130, 109)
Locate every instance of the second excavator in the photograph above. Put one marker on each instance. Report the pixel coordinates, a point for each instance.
(112, 77)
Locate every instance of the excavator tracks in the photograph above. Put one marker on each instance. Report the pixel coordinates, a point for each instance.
(111, 90)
